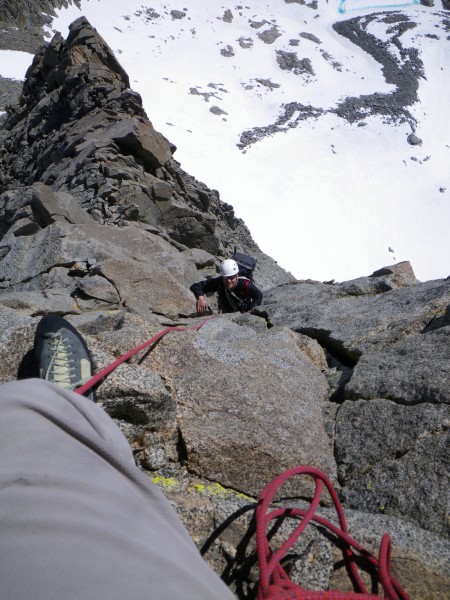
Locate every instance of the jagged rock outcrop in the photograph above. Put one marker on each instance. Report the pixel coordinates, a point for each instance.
(80, 129)
(30, 13)
(21, 23)
(378, 319)
(100, 224)
(390, 337)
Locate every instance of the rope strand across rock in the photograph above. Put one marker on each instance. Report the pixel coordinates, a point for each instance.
(111, 367)
(275, 584)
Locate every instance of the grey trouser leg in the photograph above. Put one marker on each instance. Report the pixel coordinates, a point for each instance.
(78, 520)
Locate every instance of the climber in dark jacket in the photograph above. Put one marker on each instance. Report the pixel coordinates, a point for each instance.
(235, 294)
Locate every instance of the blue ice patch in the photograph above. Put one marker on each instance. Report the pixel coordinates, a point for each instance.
(351, 5)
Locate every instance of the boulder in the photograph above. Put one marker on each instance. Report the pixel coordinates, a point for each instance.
(39, 205)
(129, 267)
(138, 137)
(249, 404)
(378, 320)
(56, 206)
(36, 303)
(186, 226)
(419, 558)
(393, 459)
(414, 370)
(201, 258)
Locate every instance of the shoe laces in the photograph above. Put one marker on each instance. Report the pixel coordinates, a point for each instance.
(62, 364)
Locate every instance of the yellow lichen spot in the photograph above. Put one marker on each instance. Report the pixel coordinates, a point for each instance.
(216, 490)
(199, 487)
(168, 483)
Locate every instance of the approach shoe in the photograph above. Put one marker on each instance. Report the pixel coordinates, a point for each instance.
(62, 356)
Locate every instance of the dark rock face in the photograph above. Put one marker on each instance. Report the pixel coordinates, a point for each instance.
(404, 74)
(288, 61)
(415, 369)
(21, 24)
(80, 129)
(26, 13)
(100, 224)
(378, 319)
(388, 336)
(392, 459)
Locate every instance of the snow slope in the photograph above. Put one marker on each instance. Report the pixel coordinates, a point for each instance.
(328, 196)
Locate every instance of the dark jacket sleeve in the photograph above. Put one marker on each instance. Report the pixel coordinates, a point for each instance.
(255, 294)
(205, 287)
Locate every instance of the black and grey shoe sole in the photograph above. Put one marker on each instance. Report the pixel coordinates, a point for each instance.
(52, 325)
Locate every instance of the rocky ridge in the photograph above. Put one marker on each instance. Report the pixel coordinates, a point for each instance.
(100, 224)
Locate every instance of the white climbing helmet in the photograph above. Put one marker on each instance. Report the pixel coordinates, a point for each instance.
(229, 268)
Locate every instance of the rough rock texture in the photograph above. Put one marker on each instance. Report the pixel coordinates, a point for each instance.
(387, 338)
(394, 458)
(265, 391)
(21, 24)
(100, 224)
(96, 265)
(26, 13)
(79, 129)
(378, 319)
(413, 370)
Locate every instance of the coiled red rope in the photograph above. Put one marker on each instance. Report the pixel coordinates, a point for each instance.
(275, 584)
(107, 370)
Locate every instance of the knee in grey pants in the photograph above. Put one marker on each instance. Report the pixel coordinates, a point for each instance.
(79, 521)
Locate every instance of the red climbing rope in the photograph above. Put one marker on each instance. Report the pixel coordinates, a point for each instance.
(275, 584)
(107, 370)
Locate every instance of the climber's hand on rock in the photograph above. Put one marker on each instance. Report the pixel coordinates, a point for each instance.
(202, 305)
